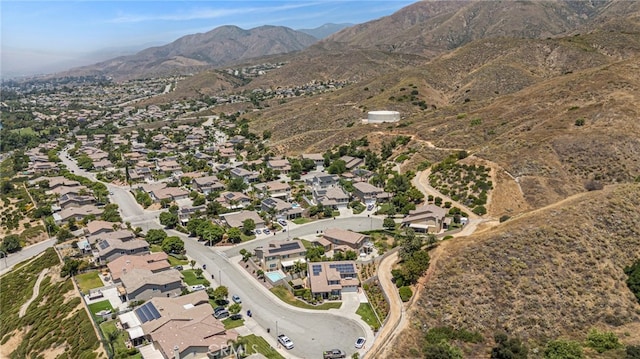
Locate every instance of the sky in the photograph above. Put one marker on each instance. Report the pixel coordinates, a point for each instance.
(48, 36)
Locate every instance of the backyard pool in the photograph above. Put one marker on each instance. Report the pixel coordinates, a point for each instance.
(275, 276)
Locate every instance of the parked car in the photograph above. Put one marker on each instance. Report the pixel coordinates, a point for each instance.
(236, 299)
(282, 222)
(221, 314)
(237, 316)
(333, 354)
(258, 231)
(285, 341)
(360, 342)
(197, 287)
(266, 231)
(370, 207)
(178, 267)
(218, 309)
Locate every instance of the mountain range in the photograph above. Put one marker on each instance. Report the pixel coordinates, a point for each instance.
(546, 92)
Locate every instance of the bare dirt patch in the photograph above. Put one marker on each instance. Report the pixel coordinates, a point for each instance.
(11, 344)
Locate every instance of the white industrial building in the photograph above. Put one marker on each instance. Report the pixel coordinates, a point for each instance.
(383, 116)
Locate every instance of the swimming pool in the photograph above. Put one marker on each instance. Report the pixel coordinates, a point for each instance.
(274, 276)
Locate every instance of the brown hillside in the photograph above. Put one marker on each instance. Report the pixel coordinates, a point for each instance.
(539, 276)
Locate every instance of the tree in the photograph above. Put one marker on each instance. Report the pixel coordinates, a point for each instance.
(248, 225)
(405, 293)
(633, 351)
(235, 308)
(563, 349)
(337, 167)
(155, 236)
(315, 254)
(508, 348)
(70, 267)
(192, 263)
(221, 292)
(350, 255)
(389, 223)
(168, 219)
(234, 235)
(11, 243)
(236, 184)
(173, 244)
(633, 278)
(198, 272)
(111, 214)
(64, 234)
(111, 338)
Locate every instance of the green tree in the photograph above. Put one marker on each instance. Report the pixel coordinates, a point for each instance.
(248, 225)
(234, 235)
(168, 219)
(11, 243)
(192, 263)
(236, 184)
(508, 348)
(221, 292)
(111, 214)
(64, 234)
(315, 254)
(155, 236)
(563, 349)
(173, 244)
(389, 223)
(337, 167)
(235, 308)
(405, 293)
(111, 338)
(633, 352)
(198, 272)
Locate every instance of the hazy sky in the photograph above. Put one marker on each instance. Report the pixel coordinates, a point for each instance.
(38, 36)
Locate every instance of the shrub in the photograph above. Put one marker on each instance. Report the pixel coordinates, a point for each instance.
(504, 218)
(508, 348)
(561, 349)
(579, 122)
(602, 341)
(405, 293)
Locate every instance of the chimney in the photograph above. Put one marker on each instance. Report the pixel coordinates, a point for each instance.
(176, 352)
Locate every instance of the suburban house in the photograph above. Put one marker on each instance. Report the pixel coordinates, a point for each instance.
(55, 182)
(281, 255)
(331, 279)
(155, 262)
(279, 165)
(103, 165)
(246, 175)
(97, 227)
(236, 219)
(110, 249)
(275, 189)
(352, 162)
(207, 184)
(368, 193)
(182, 327)
(344, 240)
(317, 158)
(280, 208)
(427, 219)
(333, 197)
(144, 284)
(233, 200)
(169, 193)
(123, 235)
(322, 181)
(77, 213)
(71, 200)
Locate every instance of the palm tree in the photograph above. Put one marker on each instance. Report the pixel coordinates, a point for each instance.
(111, 338)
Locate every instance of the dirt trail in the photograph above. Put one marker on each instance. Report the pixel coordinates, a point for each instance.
(36, 292)
(421, 181)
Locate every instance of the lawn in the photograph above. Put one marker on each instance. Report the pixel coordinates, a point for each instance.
(245, 238)
(190, 278)
(261, 346)
(286, 296)
(301, 220)
(306, 244)
(155, 248)
(119, 345)
(175, 261)
(88, 281)
(366, 312)
(96, 307)
(230, 323)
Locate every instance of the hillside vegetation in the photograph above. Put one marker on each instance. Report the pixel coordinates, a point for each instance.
(541, 276)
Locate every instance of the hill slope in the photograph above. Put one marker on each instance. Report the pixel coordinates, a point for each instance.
(541, 276)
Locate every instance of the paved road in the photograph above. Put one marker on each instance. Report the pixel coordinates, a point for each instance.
(6, 264)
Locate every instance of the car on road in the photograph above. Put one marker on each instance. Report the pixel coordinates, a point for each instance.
(333, 354)
(285, 341)
(360, 342)
(236, 299)
(111, 193)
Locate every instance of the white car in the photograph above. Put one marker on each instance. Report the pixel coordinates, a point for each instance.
(360, 342)
(285, 341)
